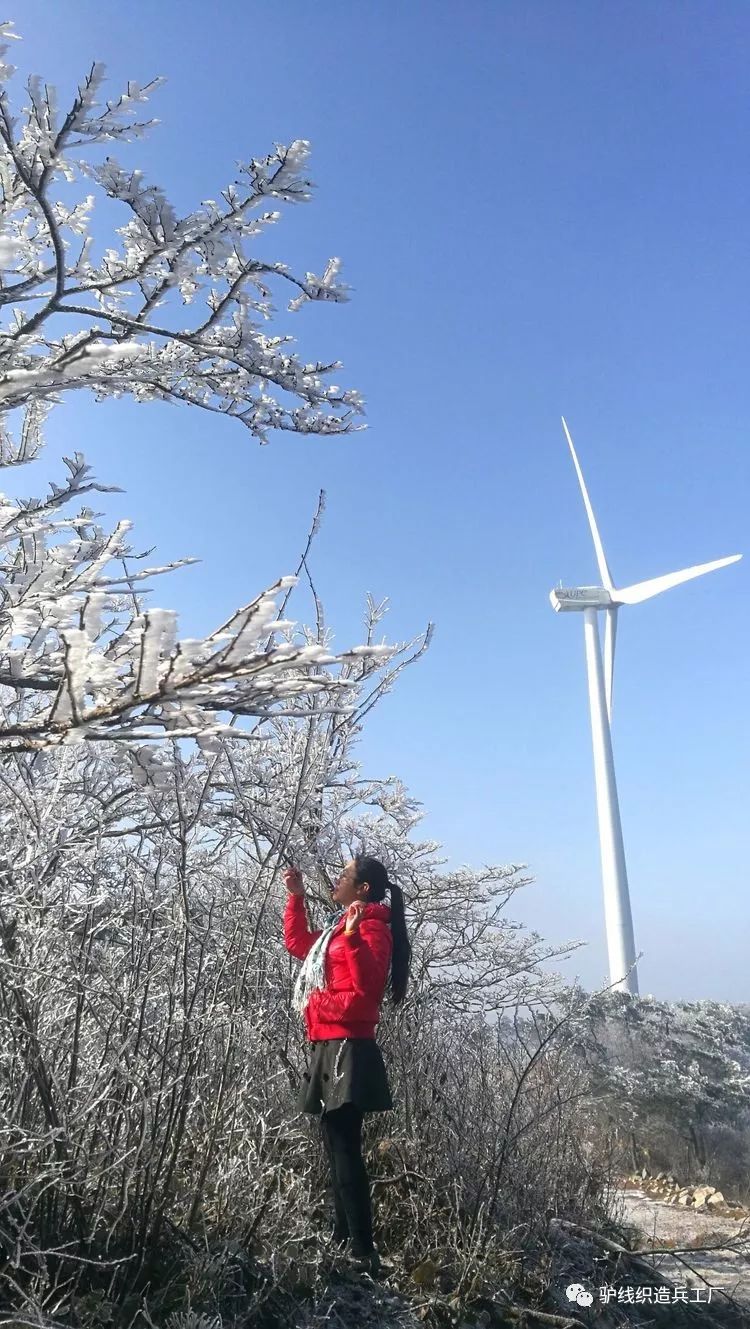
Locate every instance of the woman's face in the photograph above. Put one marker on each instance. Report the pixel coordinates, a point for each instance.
(345, 892)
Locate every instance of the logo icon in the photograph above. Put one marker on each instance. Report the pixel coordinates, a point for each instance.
(577, 1292)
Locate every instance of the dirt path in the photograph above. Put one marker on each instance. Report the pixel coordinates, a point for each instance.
(681, 1226)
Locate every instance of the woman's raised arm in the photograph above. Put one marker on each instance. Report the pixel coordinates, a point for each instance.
(297, 936)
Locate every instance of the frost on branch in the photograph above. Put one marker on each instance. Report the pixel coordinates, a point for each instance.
(84, 661)
(129, 301)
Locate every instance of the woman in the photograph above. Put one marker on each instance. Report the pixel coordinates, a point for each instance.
(339, 991)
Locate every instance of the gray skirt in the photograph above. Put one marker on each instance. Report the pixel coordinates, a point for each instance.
(345, 1070)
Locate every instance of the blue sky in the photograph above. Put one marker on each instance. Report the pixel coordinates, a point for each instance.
(543, 209)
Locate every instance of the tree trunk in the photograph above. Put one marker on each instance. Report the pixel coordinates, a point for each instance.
(699, 1145)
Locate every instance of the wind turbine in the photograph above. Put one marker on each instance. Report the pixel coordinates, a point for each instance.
(591, 601)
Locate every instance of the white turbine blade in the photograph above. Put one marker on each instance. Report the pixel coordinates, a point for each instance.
(644, 590)
(604, 571)
(610, 636)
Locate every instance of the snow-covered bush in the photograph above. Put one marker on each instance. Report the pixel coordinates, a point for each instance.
(149, 1051)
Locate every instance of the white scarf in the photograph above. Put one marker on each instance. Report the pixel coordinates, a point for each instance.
(311, 976)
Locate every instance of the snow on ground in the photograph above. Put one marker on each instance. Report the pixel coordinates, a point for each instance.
(681, 1226)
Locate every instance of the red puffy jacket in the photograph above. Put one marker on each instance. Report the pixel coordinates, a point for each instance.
(356, 970)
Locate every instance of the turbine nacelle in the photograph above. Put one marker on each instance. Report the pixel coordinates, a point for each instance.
(566, 598)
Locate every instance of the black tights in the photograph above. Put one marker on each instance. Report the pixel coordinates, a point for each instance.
(342, 1137)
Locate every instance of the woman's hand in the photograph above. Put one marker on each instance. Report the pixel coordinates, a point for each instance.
(353, 915)
(293, 881)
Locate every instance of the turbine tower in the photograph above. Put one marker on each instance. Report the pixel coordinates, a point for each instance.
(592, 601)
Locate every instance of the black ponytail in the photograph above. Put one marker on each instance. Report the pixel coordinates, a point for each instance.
(371, 870)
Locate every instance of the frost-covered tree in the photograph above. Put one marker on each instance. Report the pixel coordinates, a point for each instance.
(148, 1044)
(664, 1068)
(80, 659)
(76, 314)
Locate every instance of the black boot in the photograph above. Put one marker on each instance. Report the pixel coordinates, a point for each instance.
(365, 1262)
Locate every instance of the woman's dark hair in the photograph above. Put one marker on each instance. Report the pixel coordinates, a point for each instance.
(371, 870)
